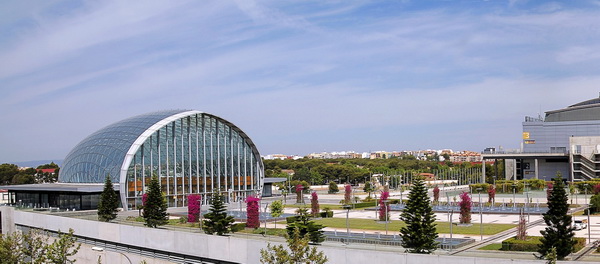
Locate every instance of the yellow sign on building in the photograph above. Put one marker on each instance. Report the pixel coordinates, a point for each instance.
(525, 135)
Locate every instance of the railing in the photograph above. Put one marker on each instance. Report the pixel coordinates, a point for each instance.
(533, 119)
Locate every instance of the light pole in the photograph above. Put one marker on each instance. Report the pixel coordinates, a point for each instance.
(451, 213)
(588, 225)
(480, 216)
(585, 185)
(385, 201)
(100, 249)
(347, 207)
(514, 195)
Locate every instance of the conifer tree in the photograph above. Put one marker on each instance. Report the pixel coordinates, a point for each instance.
(216, 220)
(109, 202)
(306, 226)
(419, 234)
(559, 231)
(155, 207)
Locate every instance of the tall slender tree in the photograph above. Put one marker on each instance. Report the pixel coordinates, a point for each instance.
(559, 231)
(109, 202)
(155, 207)
(216, 220)
(419, 234)
(276, 209)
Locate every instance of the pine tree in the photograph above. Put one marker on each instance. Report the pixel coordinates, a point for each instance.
(306, 226)
(155, 207)
(559, 231)
(109, 202)
(216, 220)
(419, 234)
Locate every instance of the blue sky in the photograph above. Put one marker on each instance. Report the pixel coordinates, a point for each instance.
(297, 76)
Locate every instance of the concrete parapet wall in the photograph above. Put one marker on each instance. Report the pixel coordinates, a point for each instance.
(234, 249)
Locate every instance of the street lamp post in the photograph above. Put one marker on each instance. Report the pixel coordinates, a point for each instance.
(514, 195)
(451, 213)
(100, 249)
(588, 225)
(480, 216)
(585, 185)
(385, 201)
(347, 207)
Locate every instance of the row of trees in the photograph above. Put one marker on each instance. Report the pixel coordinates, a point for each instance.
(322, 171)
(11, 174)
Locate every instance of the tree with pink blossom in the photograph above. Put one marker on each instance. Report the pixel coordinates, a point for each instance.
(384, 206)
(436, 194)
(252, 212)
(299, 196)
(194, 207)
(314, 204)
(491, 194)
(347, 194)
(465, 208)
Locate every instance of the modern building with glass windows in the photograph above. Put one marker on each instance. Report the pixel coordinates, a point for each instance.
(566, 140)
(190, 152)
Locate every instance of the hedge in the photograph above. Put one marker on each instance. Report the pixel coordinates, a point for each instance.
(532, 242)
(325, 214)
(238, 227)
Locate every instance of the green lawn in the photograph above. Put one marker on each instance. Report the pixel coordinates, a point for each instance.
(495, 246)
(442, 227)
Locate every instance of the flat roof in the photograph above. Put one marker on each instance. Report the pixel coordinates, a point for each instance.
(60, 187)
(274, 180)
(525, 155)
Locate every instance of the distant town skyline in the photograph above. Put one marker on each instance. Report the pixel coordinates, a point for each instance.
(297, 77)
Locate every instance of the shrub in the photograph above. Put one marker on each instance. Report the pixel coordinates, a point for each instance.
(531, 244)
(484, 187)
(238, 227)
(183, 219)
(333, 188)
(291, 219)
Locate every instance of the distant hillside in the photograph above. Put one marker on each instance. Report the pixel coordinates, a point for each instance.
(35, 163)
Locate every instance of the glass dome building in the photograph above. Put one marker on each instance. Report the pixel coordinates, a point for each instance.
(191, 152)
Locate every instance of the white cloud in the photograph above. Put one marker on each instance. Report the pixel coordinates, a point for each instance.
(283, 68)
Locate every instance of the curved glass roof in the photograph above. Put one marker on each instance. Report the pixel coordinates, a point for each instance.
(103, 152)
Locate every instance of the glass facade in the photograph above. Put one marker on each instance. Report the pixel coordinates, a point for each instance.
(189, 151)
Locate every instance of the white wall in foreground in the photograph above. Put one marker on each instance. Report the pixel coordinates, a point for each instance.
(233, 249)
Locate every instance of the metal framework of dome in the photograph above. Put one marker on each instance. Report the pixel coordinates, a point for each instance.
(191, 152)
